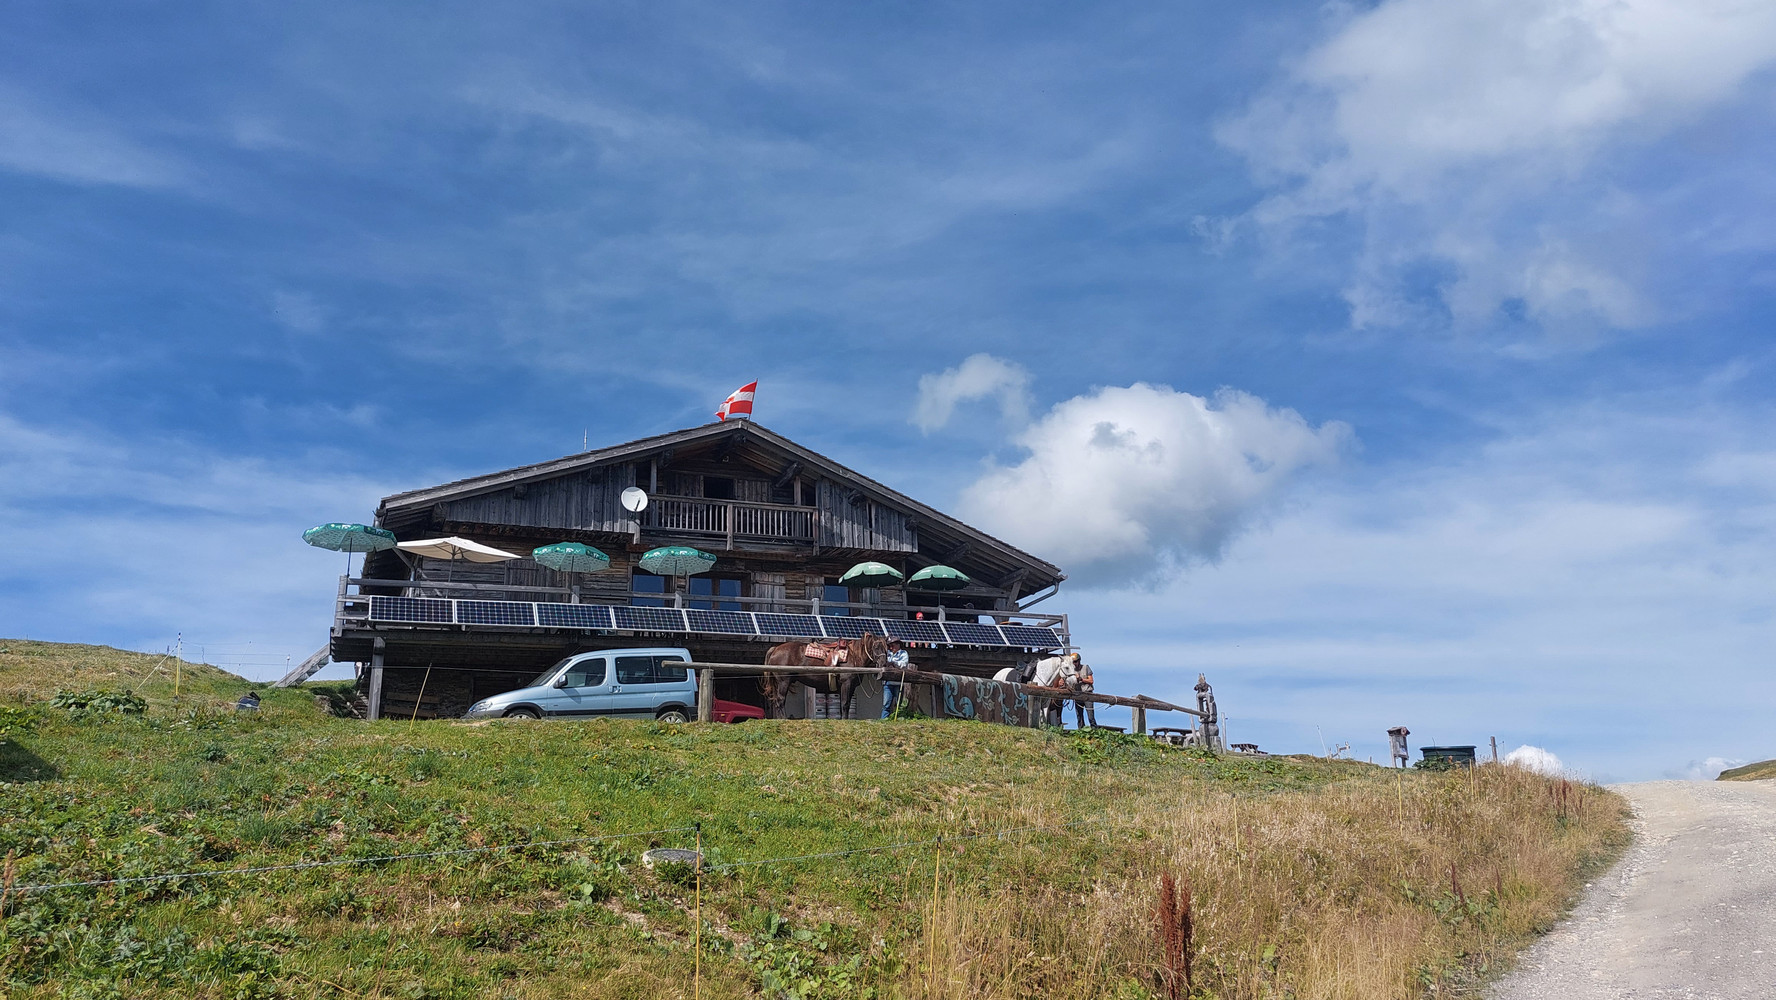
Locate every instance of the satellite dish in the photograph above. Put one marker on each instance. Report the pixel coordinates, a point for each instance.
(635, 499)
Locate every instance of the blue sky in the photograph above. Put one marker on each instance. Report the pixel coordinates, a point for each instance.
(1409, 361)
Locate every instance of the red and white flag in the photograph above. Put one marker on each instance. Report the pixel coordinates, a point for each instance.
(738, 403)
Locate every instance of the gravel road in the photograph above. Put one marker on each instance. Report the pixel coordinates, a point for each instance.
(1689, 912)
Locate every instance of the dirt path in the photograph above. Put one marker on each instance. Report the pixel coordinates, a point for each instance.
(1689, 912)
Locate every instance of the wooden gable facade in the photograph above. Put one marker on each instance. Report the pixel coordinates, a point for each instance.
(784, 522)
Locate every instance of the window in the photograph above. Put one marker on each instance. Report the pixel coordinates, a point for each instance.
(586, 673)
(651, 670)
(810, 493)
(641, 582)
(708, 587)
(670, 670)
(836, 596)
(718, 488)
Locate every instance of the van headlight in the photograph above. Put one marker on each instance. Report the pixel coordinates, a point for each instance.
(476, 707)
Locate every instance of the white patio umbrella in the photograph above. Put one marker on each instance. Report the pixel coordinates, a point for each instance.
(452, 547)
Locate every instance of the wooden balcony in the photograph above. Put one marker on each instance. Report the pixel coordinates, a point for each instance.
(732, 520)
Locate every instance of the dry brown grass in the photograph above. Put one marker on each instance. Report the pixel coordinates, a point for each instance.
(1400, 886)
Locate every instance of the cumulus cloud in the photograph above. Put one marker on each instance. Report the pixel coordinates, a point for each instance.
(979, 376)
(1467, 132)
(1124, 483)
(1707, 769)
(1536, 759)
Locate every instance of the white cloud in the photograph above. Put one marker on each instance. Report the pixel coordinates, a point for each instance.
(1537, 760)
(1467, 133)
(1707, 769)
(1121, 484)
(979, 376)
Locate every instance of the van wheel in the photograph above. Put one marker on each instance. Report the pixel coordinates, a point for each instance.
(674, 715)
(521, 713)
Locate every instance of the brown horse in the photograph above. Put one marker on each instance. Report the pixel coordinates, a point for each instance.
(870, 652)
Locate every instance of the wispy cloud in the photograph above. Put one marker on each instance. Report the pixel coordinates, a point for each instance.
(71, 144)
(130, 542)
(979, 376)
(1475, 143)
(1564, 585)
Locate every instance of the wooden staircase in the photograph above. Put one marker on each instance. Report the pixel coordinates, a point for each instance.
(307, 668)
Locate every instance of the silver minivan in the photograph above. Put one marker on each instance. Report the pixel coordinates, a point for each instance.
(650, 683)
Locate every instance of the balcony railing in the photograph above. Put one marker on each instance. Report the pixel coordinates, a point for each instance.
(732, 519)
(412, 603)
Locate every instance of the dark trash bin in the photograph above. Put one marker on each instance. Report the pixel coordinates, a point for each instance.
(1448, 756)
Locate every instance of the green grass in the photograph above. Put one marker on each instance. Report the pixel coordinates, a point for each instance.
(1760, 771)
(189, 785)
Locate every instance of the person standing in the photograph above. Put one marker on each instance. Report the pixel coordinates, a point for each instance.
(1085, 713)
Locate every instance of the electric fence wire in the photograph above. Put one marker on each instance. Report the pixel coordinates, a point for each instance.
(909, 843)
(332, 862)
(724, 867)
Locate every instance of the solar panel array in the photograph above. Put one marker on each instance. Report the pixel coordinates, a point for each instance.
(495, 613)
(410, 609)
(574, 616)
(435, 611)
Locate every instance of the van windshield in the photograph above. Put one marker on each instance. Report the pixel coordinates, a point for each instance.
(543, 677)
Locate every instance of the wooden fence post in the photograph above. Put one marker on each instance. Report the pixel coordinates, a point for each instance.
(705, 696)
(1140, 720)
(374, 709)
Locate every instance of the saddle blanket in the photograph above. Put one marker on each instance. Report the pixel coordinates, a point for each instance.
(832, 654)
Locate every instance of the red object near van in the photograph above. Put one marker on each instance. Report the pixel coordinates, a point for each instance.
(733, 711)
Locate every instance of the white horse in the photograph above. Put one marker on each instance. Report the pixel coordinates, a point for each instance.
(1065, 672)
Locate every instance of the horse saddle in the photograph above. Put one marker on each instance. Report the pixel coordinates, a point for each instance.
(831, 654)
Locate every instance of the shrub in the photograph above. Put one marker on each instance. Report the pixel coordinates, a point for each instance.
(100, 701)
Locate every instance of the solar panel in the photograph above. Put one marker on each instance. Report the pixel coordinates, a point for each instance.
(410, 609)
(650, 619)
(1027, 635)
(724, 622)
(806, 626)
(915, 631)
(574, 615)
(851, 628)
(494, 613)
(974, 635)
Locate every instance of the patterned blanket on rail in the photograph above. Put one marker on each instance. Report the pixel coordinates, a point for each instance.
(990, 701)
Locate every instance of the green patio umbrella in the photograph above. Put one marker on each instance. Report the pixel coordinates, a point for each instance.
(349, 538)
(871, 574)
(938, 578)
(676, 560)
(571, 557)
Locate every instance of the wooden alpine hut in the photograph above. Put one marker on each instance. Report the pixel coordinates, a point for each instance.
(783, 523)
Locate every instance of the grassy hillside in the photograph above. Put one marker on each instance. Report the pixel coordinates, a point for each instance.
(1761, 771)
(1307, 878)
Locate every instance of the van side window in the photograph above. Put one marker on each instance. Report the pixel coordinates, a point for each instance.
(635, 669)
(670, 670)
(586, 673)
(651, 670)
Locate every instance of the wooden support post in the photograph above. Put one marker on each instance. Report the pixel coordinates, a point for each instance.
(1140, 723)
(705, 695)
(374, 710)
